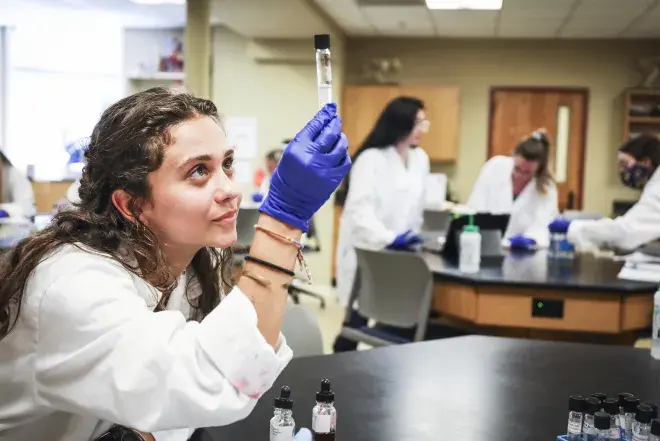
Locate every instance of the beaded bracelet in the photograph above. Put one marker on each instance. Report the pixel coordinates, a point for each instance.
(300, 256)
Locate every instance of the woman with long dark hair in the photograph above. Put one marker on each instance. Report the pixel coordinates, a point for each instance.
(119, 316)
(384, 204)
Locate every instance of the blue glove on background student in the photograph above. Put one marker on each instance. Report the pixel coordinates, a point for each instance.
(521, 242)
(3, 214)
(312, 167)
(257, 197)
(405, 241)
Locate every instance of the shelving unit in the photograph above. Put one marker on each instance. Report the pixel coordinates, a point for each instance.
(642, 112)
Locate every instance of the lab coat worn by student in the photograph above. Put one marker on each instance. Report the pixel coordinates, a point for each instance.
(17, 192)
(86, 319)
(639, 226)
(530, 212)
(385, 199)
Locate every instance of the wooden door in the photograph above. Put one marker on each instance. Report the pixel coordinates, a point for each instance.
(517, 112)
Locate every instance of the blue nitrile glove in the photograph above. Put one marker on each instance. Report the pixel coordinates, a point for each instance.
(405, 240)
(303, 435)
(257, 197)
(3, 214)
(559, 225)
(312, 166)
(521, 242)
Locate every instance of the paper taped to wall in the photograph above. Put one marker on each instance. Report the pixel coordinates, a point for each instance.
(242, 135)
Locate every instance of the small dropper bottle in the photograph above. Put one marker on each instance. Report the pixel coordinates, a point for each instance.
(653, 406)
(602, 425)
(622, 397)
(589, 428)
(629, 410)
(641, 427)
(282, 424)
(655, 431)
(611, 406)
(324, 414)
(576, 407)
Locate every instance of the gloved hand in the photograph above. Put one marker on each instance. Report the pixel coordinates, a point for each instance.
(257, 197)
(522, 242)
(303, 434)
(312, 166)
(3, 214)
(405, 241)
(559, 225)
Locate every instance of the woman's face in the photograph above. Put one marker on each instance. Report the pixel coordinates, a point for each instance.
(421, 127)
(193, 201)
(523, 172)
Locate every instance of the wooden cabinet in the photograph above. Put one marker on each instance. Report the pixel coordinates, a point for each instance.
(362, 104)
(642, 112)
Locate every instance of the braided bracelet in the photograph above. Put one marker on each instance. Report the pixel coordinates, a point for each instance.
(267, 264)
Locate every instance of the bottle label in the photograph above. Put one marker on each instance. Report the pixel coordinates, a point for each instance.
(575, 426)
(280, 433)
(322, 423)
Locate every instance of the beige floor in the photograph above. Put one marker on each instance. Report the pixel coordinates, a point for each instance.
(330, 318)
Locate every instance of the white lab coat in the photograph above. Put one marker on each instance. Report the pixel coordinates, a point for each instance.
(530, 213)
(385, 199)
(17, 192)
(640, 224)
(88, 349)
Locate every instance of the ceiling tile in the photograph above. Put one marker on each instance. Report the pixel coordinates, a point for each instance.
(646, 26)
(465, 23)
(532, 28)
(539, 6)
(345, 12)
(400, 20)
(603, 18)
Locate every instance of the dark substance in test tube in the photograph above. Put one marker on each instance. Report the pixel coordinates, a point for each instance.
(653, 407)
(611, 406)
(602, 420)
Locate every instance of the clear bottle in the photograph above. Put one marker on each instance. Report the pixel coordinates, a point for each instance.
(282, 424)
(622, 397)
(576, 406)
(589, 428)
(654, 408)
(323, 68)
(655, 431)
(641, 426)
(469, 258)
(560, 247)
(611, 406)
(629, 410)
(655, 342)
(324, 414)
(602, 425)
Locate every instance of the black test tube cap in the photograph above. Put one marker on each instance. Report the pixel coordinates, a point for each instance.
(630, 404)
(653, 407)
(655, 427)
(643, 414)
(600, 396)
(622, 397)
(284, 401)
(321, 41)
(611, 406)
(593, 405)
(576, 403)
(602, 420)
(325, 395)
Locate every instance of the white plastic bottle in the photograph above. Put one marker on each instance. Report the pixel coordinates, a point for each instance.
(655, 344)
(469, 259)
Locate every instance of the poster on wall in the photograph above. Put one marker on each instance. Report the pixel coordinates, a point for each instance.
(243, 173)
(242, 135)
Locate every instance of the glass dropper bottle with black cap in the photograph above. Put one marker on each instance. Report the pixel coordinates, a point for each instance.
(282, 424)
(629, 411)
(641, 427)
(611, 406)
(593, 405)
(576, 407)
(602, 425)
(324, 414)
(655, 431)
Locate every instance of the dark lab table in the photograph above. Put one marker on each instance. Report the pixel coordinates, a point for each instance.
(527, 295)
(466, 388)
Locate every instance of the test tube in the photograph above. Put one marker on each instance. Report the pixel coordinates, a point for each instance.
(576, 408)
(323, 68)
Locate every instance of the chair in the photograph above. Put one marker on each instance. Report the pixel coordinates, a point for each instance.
(436, 221)
(302, 332)
(393, 288)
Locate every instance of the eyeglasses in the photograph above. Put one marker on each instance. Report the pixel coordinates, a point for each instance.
(423, 125)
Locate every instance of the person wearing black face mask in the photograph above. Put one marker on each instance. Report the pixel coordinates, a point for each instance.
(638, 159)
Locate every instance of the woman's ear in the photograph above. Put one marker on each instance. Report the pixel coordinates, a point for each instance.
(122, 202)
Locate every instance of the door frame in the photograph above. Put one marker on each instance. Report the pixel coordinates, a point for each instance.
(584, 91)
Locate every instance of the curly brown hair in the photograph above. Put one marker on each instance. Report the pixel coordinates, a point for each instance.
(126, 145)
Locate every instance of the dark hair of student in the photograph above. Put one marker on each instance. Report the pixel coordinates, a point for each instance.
(536, 148)
(274, 155)
(395, 123)
(644, 146)
(126, 145)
